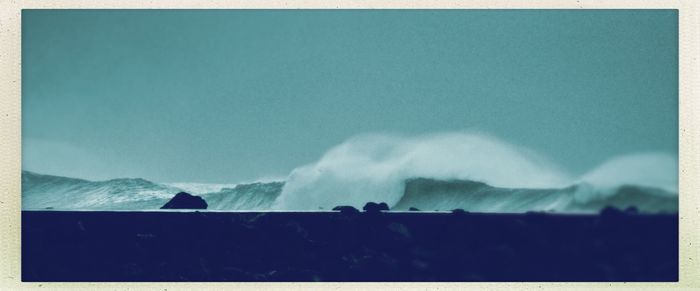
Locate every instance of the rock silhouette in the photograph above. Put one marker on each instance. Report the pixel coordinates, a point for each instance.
(611, 211)
(346, 209)
(458, 211)
(185, 200)
(372, 207)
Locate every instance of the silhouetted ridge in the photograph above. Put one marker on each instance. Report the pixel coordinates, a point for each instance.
(332, 246)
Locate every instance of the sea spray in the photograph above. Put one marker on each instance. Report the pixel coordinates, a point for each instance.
(649, 170)
(471, 171)
(375, 168)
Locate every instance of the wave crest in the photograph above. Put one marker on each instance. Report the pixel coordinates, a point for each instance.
(471, 171)
(374, 168)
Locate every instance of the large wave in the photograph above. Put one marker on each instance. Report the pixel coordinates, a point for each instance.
(55, 192)
(254, 196)
(429, 194)
(376, 168)
(470, 171)
(62, 193)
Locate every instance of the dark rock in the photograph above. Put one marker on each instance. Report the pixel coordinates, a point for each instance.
(375, 207)
(413, 209)
(184, 200)
(346, 209)
(535, 213)
(611, 211)
(458, 211)
(631, 210)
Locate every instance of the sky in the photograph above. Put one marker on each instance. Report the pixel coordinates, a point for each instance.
(222, 96)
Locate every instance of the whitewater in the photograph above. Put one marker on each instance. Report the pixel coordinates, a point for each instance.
(471, 171)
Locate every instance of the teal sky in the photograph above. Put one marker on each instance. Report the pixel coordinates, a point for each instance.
(231, 95)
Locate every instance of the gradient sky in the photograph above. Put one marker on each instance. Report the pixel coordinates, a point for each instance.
(226, 95)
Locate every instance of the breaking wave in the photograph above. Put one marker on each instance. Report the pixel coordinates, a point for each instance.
(62, 193)
(54, 192)
(377, 168)
(473, 172)
(429, 194)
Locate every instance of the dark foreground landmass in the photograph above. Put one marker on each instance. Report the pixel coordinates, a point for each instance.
(348, 246)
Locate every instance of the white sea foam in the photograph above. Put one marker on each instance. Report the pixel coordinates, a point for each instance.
(374, 168)
(654, 170)
(377, 167)
(659, 170)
